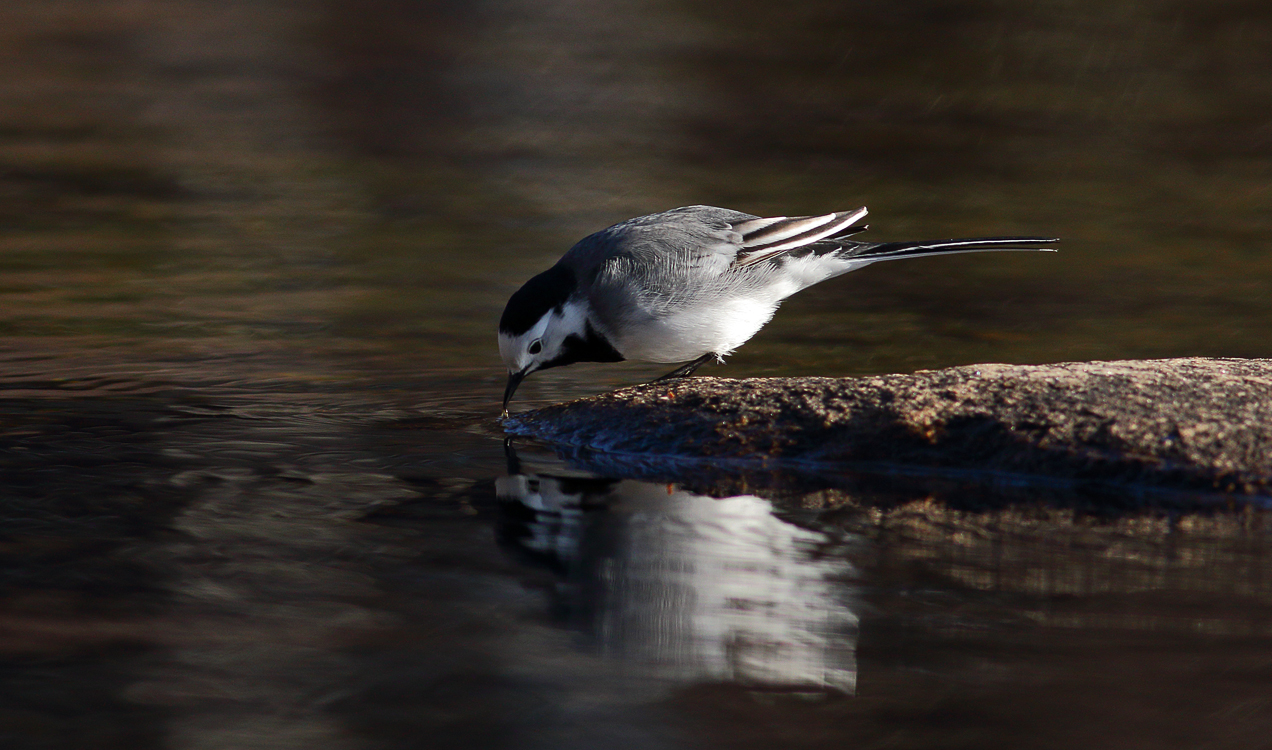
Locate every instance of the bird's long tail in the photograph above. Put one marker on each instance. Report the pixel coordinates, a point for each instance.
(896, 250)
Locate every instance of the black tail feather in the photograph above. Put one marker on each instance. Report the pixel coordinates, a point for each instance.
(895, 250)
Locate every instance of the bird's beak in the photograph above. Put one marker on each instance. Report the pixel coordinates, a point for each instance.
(514, 380)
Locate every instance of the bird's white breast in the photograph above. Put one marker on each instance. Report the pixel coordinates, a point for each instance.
(721, 312)
(694, 331)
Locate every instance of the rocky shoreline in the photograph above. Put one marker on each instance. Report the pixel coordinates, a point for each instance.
(1190, 424)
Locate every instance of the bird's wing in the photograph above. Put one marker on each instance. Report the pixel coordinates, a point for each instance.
(765, 239)
(663, 262)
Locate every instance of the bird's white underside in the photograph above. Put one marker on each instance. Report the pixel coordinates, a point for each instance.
(719, 326)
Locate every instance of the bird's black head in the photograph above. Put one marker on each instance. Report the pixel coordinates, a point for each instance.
(546, 292)
(546, 324)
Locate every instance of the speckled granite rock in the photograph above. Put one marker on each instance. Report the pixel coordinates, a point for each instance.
(1185, 423)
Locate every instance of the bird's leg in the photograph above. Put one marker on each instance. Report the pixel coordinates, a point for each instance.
(686, 370)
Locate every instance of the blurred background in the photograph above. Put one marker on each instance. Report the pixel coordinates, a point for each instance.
(252, 256)
(341, 184)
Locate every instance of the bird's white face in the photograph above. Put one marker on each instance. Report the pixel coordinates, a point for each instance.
(528, 352)
(543, 345)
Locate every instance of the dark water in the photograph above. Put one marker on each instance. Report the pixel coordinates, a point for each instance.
(254, 494)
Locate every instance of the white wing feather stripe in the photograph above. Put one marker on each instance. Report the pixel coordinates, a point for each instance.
(751, 226)
(804, 239)
(776, 230)
(758, 254)
(785, 229)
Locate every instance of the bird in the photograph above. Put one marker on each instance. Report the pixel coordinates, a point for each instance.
(689, 285)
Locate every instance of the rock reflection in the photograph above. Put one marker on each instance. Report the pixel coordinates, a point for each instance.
(689, 587)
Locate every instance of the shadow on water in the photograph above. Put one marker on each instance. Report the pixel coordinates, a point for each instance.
(666, 616)
(988, 620)
(689, 587)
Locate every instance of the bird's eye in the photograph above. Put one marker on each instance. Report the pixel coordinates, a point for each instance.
(536, 346)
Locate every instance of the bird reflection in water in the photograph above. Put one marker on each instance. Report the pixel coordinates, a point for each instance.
(689, 587)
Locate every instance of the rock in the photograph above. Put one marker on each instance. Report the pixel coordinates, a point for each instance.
(1181, 423)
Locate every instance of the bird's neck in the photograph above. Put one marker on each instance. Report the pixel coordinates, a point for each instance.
(590, 345)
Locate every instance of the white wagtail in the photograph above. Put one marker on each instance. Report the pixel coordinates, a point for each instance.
(689, 285)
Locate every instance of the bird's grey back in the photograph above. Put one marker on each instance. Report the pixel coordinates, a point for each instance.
(647, 265)
(680, 230)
